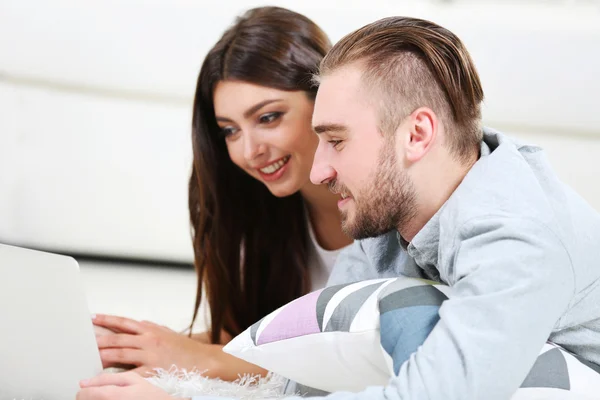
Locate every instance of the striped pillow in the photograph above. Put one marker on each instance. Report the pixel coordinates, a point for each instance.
(351, 336)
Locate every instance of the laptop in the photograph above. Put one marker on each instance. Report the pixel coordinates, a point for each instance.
(47, 341)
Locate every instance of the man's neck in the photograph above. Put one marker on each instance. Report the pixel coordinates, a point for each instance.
(434, 195)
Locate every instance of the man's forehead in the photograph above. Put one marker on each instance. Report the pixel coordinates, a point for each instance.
(338, 95)
(344, 79)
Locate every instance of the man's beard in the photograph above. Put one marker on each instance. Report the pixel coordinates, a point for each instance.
(388, 203)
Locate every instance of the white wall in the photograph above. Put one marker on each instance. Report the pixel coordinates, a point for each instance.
(95, 104)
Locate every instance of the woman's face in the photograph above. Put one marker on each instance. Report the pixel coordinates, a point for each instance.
(268, 133)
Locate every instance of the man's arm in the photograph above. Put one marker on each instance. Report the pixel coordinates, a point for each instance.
(512, 281)
(373, 258)
(351, 265)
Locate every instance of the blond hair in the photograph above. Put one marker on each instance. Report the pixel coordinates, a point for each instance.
(409, 63)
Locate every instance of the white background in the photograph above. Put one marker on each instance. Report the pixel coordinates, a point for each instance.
(95, 109)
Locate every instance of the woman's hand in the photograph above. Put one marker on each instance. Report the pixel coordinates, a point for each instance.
(144, 346)
(204, 337)
(100, 331)
(123, 386)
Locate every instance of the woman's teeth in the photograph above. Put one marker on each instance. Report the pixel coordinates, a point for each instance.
(270, 169)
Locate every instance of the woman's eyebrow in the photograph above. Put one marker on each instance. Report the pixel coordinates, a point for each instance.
(249, 112)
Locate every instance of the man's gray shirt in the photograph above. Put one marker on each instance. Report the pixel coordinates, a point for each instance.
(522, 253)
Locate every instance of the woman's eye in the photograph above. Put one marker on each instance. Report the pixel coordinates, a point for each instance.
(270, 117)
(228, 131)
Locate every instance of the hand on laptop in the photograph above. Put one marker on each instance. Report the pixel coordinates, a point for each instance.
(143, 346)
(123, 386)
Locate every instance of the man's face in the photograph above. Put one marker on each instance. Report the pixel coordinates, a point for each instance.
(356, 160)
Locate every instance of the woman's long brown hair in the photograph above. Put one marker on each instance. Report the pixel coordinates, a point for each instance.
(251, 248)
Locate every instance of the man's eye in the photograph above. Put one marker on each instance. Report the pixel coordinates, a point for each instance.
(335, 143)
(270, 117)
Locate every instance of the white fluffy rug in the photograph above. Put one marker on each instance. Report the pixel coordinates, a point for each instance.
(181, 383)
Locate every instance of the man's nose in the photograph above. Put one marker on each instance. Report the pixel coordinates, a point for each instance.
(321, 171)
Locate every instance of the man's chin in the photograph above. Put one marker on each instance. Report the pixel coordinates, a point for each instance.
(348, 231)
(351, 230)
(362, 228)
(346, 223)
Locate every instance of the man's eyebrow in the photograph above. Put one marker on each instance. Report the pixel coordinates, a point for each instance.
(329, 128)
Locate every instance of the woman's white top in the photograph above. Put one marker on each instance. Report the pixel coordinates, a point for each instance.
(321, 262)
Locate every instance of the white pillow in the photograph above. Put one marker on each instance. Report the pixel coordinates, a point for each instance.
(348, 337)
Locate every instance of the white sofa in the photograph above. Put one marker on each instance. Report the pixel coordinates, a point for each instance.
(95, 105)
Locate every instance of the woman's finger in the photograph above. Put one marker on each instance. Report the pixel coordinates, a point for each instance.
(157, 326)
(101, 331)
(144, 372)
(120, 379)
(119, 340)
(123, 356)
(95, 393)
(119, 324)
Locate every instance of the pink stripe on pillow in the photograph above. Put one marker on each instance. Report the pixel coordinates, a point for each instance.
(298, 318)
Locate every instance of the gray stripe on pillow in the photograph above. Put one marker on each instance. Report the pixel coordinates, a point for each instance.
(549, 371)
(426, 295)
(254, 329)
(344, 313)
(402, 283)
(587, 363)
(324, 299)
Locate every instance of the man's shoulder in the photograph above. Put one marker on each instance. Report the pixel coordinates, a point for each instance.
(504, 182)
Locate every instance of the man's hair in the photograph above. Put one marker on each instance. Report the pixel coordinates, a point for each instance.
(409, 63)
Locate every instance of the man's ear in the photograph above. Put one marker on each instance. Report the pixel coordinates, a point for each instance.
(422, 132)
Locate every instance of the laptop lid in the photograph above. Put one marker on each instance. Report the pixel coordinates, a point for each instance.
(47, 341)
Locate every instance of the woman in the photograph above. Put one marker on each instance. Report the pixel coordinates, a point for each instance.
(263, 234)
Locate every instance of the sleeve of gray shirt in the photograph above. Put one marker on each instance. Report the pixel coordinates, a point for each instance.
(373, 258)
(512, 281)
(351, 264)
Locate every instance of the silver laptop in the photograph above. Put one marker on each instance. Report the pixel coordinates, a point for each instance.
(47, 341)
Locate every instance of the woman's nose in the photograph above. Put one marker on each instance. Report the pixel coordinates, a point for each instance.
(253, 146)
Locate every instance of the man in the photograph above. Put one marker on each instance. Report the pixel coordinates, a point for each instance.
(399, 122)
(398, 115)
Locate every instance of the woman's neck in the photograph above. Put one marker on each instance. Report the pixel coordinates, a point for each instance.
(324, 217)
